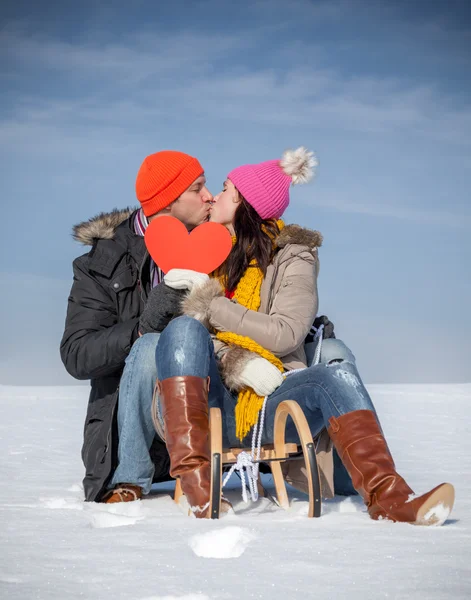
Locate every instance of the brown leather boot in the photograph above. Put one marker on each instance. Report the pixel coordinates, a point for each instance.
(360, 444)
(123, 492)
(185, 412)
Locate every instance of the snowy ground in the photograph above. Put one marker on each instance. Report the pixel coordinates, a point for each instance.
(53, 545)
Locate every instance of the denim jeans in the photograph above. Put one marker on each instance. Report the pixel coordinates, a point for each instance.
(334, 350)
(331, 350)
(331, 388)
(135, 428)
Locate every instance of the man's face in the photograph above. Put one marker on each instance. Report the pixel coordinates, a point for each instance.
(193, 207)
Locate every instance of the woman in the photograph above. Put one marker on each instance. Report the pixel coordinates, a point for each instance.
(244, 328)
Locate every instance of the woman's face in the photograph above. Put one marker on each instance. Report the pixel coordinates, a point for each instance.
(225, 205)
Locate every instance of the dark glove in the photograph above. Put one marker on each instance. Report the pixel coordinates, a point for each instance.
(163, 304)
(328, 329)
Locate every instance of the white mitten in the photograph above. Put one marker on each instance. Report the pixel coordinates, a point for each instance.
(184, 279)
(261, 376)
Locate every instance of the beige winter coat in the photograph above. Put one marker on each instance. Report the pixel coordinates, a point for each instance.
(289, 303)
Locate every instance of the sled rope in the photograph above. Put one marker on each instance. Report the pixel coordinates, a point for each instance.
(245, 464)
(319, 336)
(248, 464)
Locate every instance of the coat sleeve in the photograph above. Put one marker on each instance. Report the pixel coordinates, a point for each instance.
(94, 343)
(291, 315)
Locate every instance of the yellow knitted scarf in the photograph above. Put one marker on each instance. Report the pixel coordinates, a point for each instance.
(247, 293)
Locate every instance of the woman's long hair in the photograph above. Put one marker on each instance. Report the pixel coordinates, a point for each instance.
(254, 240)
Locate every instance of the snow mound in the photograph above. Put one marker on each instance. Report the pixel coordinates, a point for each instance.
(61, 503)
(9, 579)
(351, 504)
(228, 542)
(105, 519)
(115, 515)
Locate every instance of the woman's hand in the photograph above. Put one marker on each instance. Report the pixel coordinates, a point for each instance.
(184, 279)
(261, 376)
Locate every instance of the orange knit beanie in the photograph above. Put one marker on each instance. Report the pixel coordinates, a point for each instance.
(163, 177)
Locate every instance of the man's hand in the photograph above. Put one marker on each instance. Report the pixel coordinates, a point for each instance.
(163, 304)
(328, 326)
(328, 329)
(261, 376)
(185, 279)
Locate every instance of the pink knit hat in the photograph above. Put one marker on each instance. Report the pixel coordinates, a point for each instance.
(266, 186)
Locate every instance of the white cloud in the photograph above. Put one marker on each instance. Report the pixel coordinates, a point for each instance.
(170, 80)
(398, 211)
(135, 57)
(152, 76)
(78, 106)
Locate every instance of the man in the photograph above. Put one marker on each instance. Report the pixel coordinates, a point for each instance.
(101, 341)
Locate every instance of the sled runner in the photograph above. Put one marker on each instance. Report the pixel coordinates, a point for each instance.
(273, 455)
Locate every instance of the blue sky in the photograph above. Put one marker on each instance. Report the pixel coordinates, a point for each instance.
(380, 90)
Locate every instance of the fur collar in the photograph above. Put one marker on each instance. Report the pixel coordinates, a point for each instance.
(103, 226)
(295, 234)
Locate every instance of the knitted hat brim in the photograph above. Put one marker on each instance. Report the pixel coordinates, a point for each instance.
(163, 198)
(253, 188)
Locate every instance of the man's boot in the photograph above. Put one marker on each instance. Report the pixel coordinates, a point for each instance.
(185, 412)
(123, 492)
(362, 448)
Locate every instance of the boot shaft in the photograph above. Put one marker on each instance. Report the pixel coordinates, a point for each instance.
(359, 441)
(185, 412)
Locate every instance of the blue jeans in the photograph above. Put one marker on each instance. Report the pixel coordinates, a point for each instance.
(331, 388)
(135, 428)
(331, 350)
(334, 350)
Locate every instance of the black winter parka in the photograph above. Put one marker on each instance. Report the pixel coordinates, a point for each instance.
(110, 287)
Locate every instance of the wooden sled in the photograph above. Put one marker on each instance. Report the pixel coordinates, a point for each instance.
(272, 454)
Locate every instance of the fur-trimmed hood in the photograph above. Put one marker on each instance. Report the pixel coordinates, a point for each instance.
(103, 226)
(301, 236)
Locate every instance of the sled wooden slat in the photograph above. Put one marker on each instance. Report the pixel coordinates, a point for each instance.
(267, 453)
(215, 425)
(290, 408)
(275, 453)
(229, 456)
(178, 490)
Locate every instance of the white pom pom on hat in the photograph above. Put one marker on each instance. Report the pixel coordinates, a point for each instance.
(266, 185)
(299, 164)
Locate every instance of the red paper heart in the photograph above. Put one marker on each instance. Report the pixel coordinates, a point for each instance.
(171, 246)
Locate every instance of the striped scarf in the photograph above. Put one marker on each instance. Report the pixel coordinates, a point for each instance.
(140, 226)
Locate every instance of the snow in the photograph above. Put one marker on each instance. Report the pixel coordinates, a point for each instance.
(228, 542)
(440, 514)
(54, 546)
